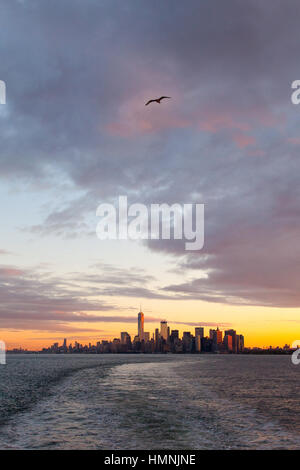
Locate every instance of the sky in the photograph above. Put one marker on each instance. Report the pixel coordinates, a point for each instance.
(75, 133)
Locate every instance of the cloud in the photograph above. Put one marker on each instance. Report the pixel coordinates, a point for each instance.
(32, 299)
(35, 300)
(75, 117)
(4, 252)
(203, 323)
(251, 266)
(243, 140)
(294, 140)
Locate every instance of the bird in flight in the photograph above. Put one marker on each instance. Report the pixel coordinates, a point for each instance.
(157, 100)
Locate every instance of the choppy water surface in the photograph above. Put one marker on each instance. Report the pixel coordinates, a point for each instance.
(149, 402)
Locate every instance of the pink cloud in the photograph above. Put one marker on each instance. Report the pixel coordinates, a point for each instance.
(294, 140)
(243, 140)
(135, 122)
(10, 272)
(133, 118)
(215, 121)
(4, 252)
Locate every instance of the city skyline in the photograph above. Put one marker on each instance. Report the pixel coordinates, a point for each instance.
(163, 340)
(37, 343)
(140, 333)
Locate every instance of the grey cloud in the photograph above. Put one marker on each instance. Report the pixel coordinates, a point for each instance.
(34, 299)
(203, 323)
(4, 252)
(77, 76)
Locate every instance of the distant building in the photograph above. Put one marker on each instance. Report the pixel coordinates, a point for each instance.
(228, 342)
(206, 344)
(115, 345)
(216, 338)
(175, 342)
(238, 347)
(125, 338)
(164, 330)
(141, 326)
(199, 331)
(174, 335)
(156, 335)
(187, 342)
(242, 345)
(198, 343)
(232, 333)
(146, 336)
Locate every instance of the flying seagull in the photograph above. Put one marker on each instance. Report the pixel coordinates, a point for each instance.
(157, 100)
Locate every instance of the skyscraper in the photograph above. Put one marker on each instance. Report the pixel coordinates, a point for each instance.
(198, 343)
(156, 335)
(187, 342)
(234, 340)
(237, 343)
(199, 331)
(228, 342)
(216, 337)
(146, 336)
(174, 335)
(219, 336)
(164, 330)
(125, 338)
(241, 343)
(141, 326)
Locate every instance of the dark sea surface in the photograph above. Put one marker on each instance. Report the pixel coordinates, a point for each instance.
(149, 402)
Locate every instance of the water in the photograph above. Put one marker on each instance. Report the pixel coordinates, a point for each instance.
(149, 402)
